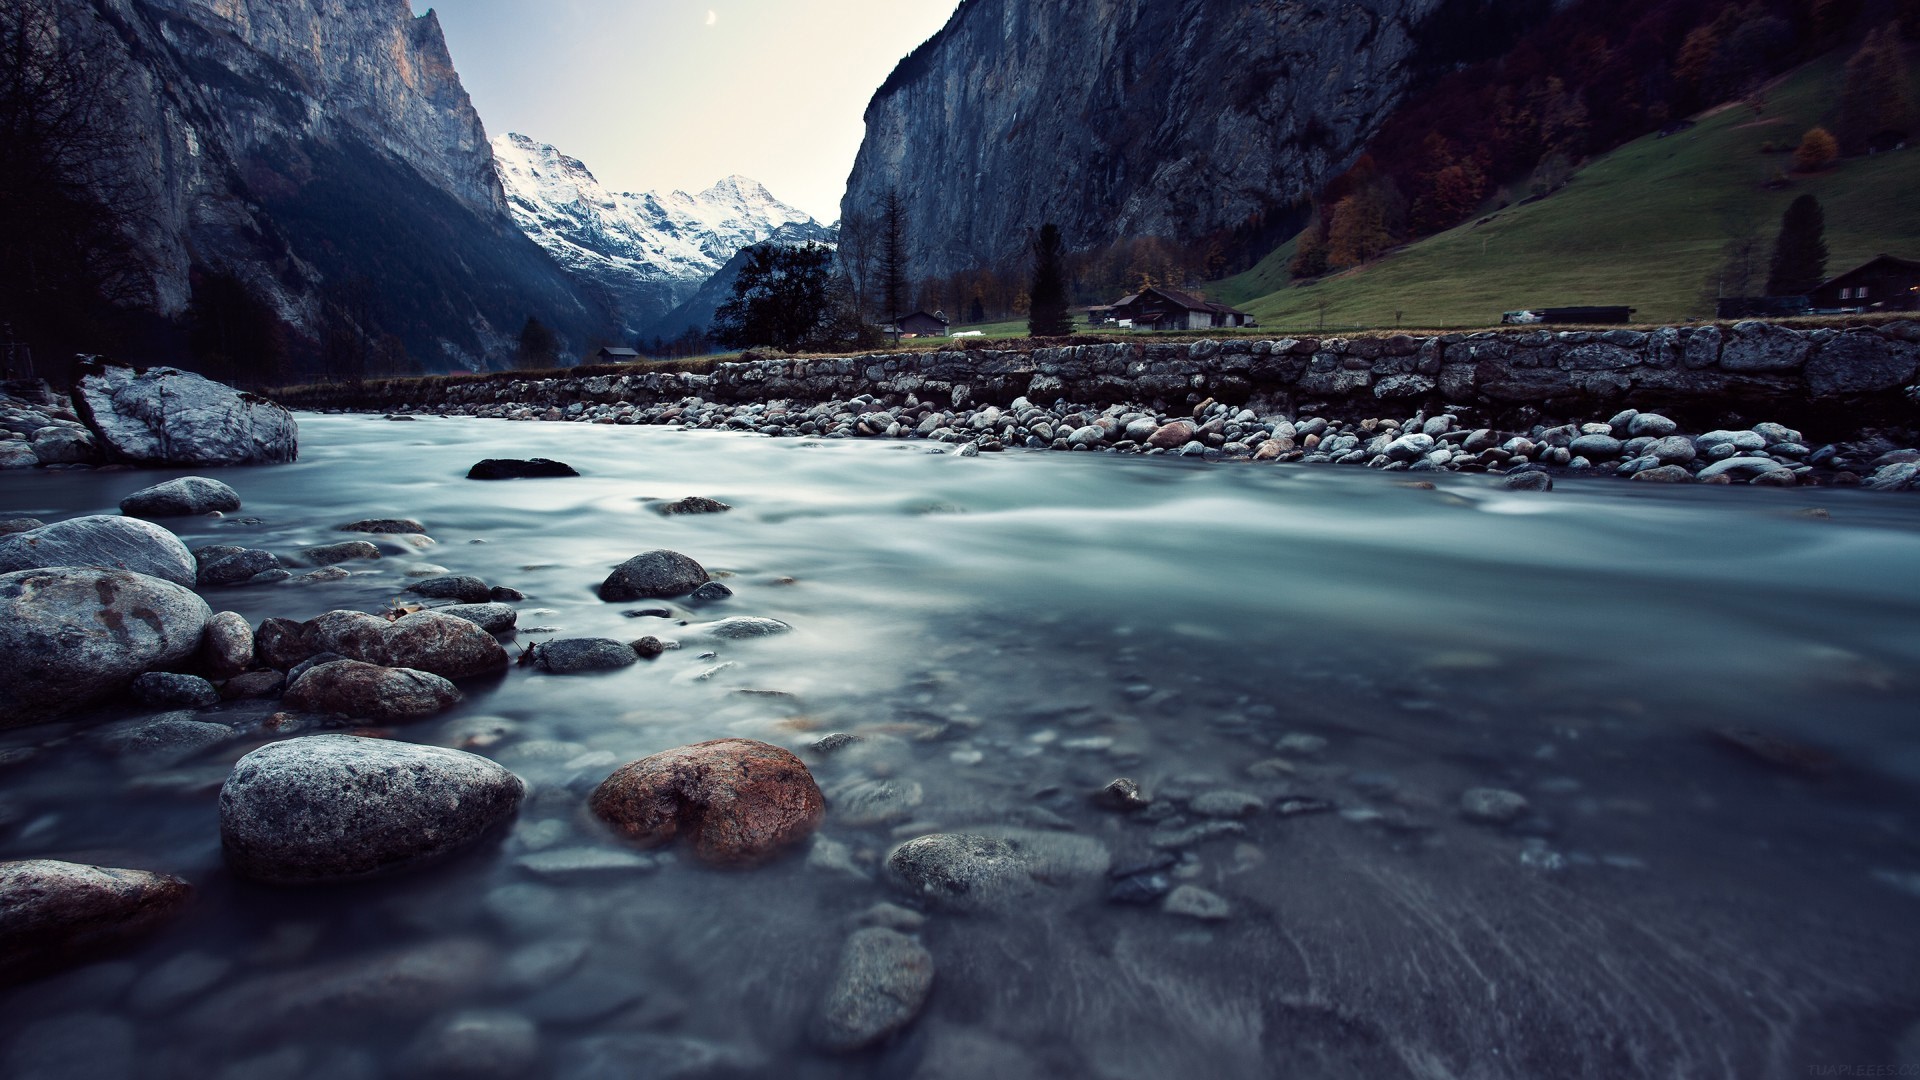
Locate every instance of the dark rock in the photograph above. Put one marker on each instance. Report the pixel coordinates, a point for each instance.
(1777, 750)
(1123, 795)
(355, 635)
(180, 498)
(1144, 888)
(738, 801)
(501, 594)
(335, 807)
(493, 618)
(516, 469)
(569, 656)
(164, 416)
(9, 526)
(167, 690)
(653, 574)
(345, 551)
(118, 542)
(226, 647)
(73, 636)
(282, 643)
(385, 526)
(693, 504)
(880, 986)
(239, 568)
(1173, 436)
(711, 592)
(1528, 480)
(648, 647)
(55, 914)
(446, 645)
(461, 587)
(253, 684)
(370, 692)
(961, 871)
(1665, 474)
(379, 988)
(173, 737)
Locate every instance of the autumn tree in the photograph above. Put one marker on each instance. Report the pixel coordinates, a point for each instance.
(1800, 253)
(1358, 229)
(1874, 99)
(1310, 249)
(1047, 312)
(1818, 148)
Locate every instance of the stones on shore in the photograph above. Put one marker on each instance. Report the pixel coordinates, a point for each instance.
(571, 656)
(102, 540)
(364, 691)
(735, 801)
(165, 416)
(518, 469)
(692, 504)
(54, 914)
(338, 807)
(355, 635)
(184, 497)
(653, 574)
(446, 645)
(711, 593)
(880, 985)
(1123, 795)
(225, 566)
(72, 636)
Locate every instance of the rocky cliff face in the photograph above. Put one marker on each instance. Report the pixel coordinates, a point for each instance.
(648, 252)
(318, 141)
(1118, 118)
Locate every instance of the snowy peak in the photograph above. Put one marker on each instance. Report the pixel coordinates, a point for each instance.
(651, 249)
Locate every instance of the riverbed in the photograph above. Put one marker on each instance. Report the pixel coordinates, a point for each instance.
(1706, 696)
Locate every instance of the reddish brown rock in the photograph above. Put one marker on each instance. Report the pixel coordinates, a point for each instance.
(446, 645)
(355, 635)
(56, 914)
(1173, 436)
(737, 800)
(282, 644)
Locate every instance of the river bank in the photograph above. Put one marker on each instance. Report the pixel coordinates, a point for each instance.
(1320, 681)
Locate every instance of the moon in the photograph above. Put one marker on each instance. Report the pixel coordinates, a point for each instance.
(712, 17)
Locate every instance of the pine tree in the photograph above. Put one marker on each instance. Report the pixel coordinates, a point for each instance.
(538, 346)
(893, 255)
(1047, 314)
(1800, 254)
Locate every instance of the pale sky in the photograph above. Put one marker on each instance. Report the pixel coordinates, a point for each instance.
(664, 94)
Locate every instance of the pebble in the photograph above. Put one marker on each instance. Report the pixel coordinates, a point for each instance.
(1194, 902)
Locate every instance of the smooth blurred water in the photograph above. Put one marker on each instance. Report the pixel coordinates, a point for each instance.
(1012, 631)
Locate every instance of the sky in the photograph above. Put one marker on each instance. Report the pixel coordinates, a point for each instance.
(665, 94)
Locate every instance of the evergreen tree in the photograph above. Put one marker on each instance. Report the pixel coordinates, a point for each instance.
(786, 298)
(1047, 314)
(1800, 254)
(1310, 250)
(893, 255)
(538, 347)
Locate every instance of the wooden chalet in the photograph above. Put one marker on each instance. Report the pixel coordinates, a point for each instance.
(1164, 309)
(1884, 284)
(921, 324)
(608, 355)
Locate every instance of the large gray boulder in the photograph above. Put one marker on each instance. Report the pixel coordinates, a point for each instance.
(447, 645)
(165, 416)
(53, 914)
(102, 540)
(337, 807)
(72, 636)
(881, 983)
(181, 498)
(650, 574)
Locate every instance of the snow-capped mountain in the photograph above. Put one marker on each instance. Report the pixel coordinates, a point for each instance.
(645, 252)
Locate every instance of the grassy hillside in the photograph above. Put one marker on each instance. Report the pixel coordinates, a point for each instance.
(1643, 226)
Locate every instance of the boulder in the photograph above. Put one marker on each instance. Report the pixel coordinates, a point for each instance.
(744, 626)
(517, 469)
(1740, 468)
(446, 645)
(282, 643)
(658, 573)
(226, 649)
(961, 871)
(345, 551)
(9, 526)
(102, 540)
(493, 618)
(352, 634)
(168, 690)
(245, 566)
(1527, 480)
(337, 807)
(738, 801)
(570, 656)
(385, 526)
(370, 691)
(72, 636)
(692, 504)
(879, 987)
(1172, 436)
(164, 416)
(180, 498)
(1665, 474)
(54, 914)
(464, 588)
(65, 444)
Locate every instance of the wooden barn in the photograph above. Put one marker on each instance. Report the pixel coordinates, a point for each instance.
(609, 355)
(921, 324)
(1164, 309)
(1884, 284)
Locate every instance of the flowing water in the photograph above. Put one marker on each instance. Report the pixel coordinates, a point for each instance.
(1011, 632)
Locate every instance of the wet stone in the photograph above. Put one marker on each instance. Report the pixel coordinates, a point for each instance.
(54, 914)
(491, 617)
(1492, 806)
(385, 526)
(744, 626)
(1226, 804)
(692, 504)
(370, 691)
(880, 986)
(737, 801)
(167, 690)
(653, 574)
(464, 588)
(478, 1044)
(711, 593)
(186, 496)
(518, 469)
(571, 656)
(1194, 902)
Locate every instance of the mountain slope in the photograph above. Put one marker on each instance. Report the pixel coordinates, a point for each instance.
(643, 253)
(1644, 226)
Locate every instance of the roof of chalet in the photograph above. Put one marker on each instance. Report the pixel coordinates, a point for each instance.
(617, 352)
(936, 318)
(1178, 299)
(1893, 261)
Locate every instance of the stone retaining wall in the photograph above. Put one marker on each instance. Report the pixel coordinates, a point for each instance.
(1819, 378)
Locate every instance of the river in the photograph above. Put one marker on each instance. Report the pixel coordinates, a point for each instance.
(1010, 632)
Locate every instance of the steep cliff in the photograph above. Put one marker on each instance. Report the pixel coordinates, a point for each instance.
(1117, 118)
(302, 144)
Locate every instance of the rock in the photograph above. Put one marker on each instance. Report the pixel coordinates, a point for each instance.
(167, 690)
(17, 454)
(860, 801)
(1528, 480)
(355, 635)
(169, 738)
(345, 551)
(385, 526)
(516, 469)
(102, 540)
(164, 416)
(1492, 806)
(461, 587)
(692, 504)
(569, 656)
(476, 1044)
(1778, 433)
(1596, 447)
(961, 871)
(1859, 362)
(54, 914)
(1194, 902)
(1122, 795)
(739, 627)
(493, 618)
(382, 987)
(1665, 474)
(657, 573)
(1172, 436)
(283, 643)
(243, 567)
(1226, 804)
(1672, 450)
(1740, 468)
(9, 526)
(226, 645)
(649, 647)
(880, 986)
(711, 593)
(180, 498)
(337, 807)
(1739, 440)
(64, 444)
(253, 684)
(370, 692)
(446, 645)
(73, 636)
(1410, 447)
(738, 801)
(1652, 425)
(1758, 346)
